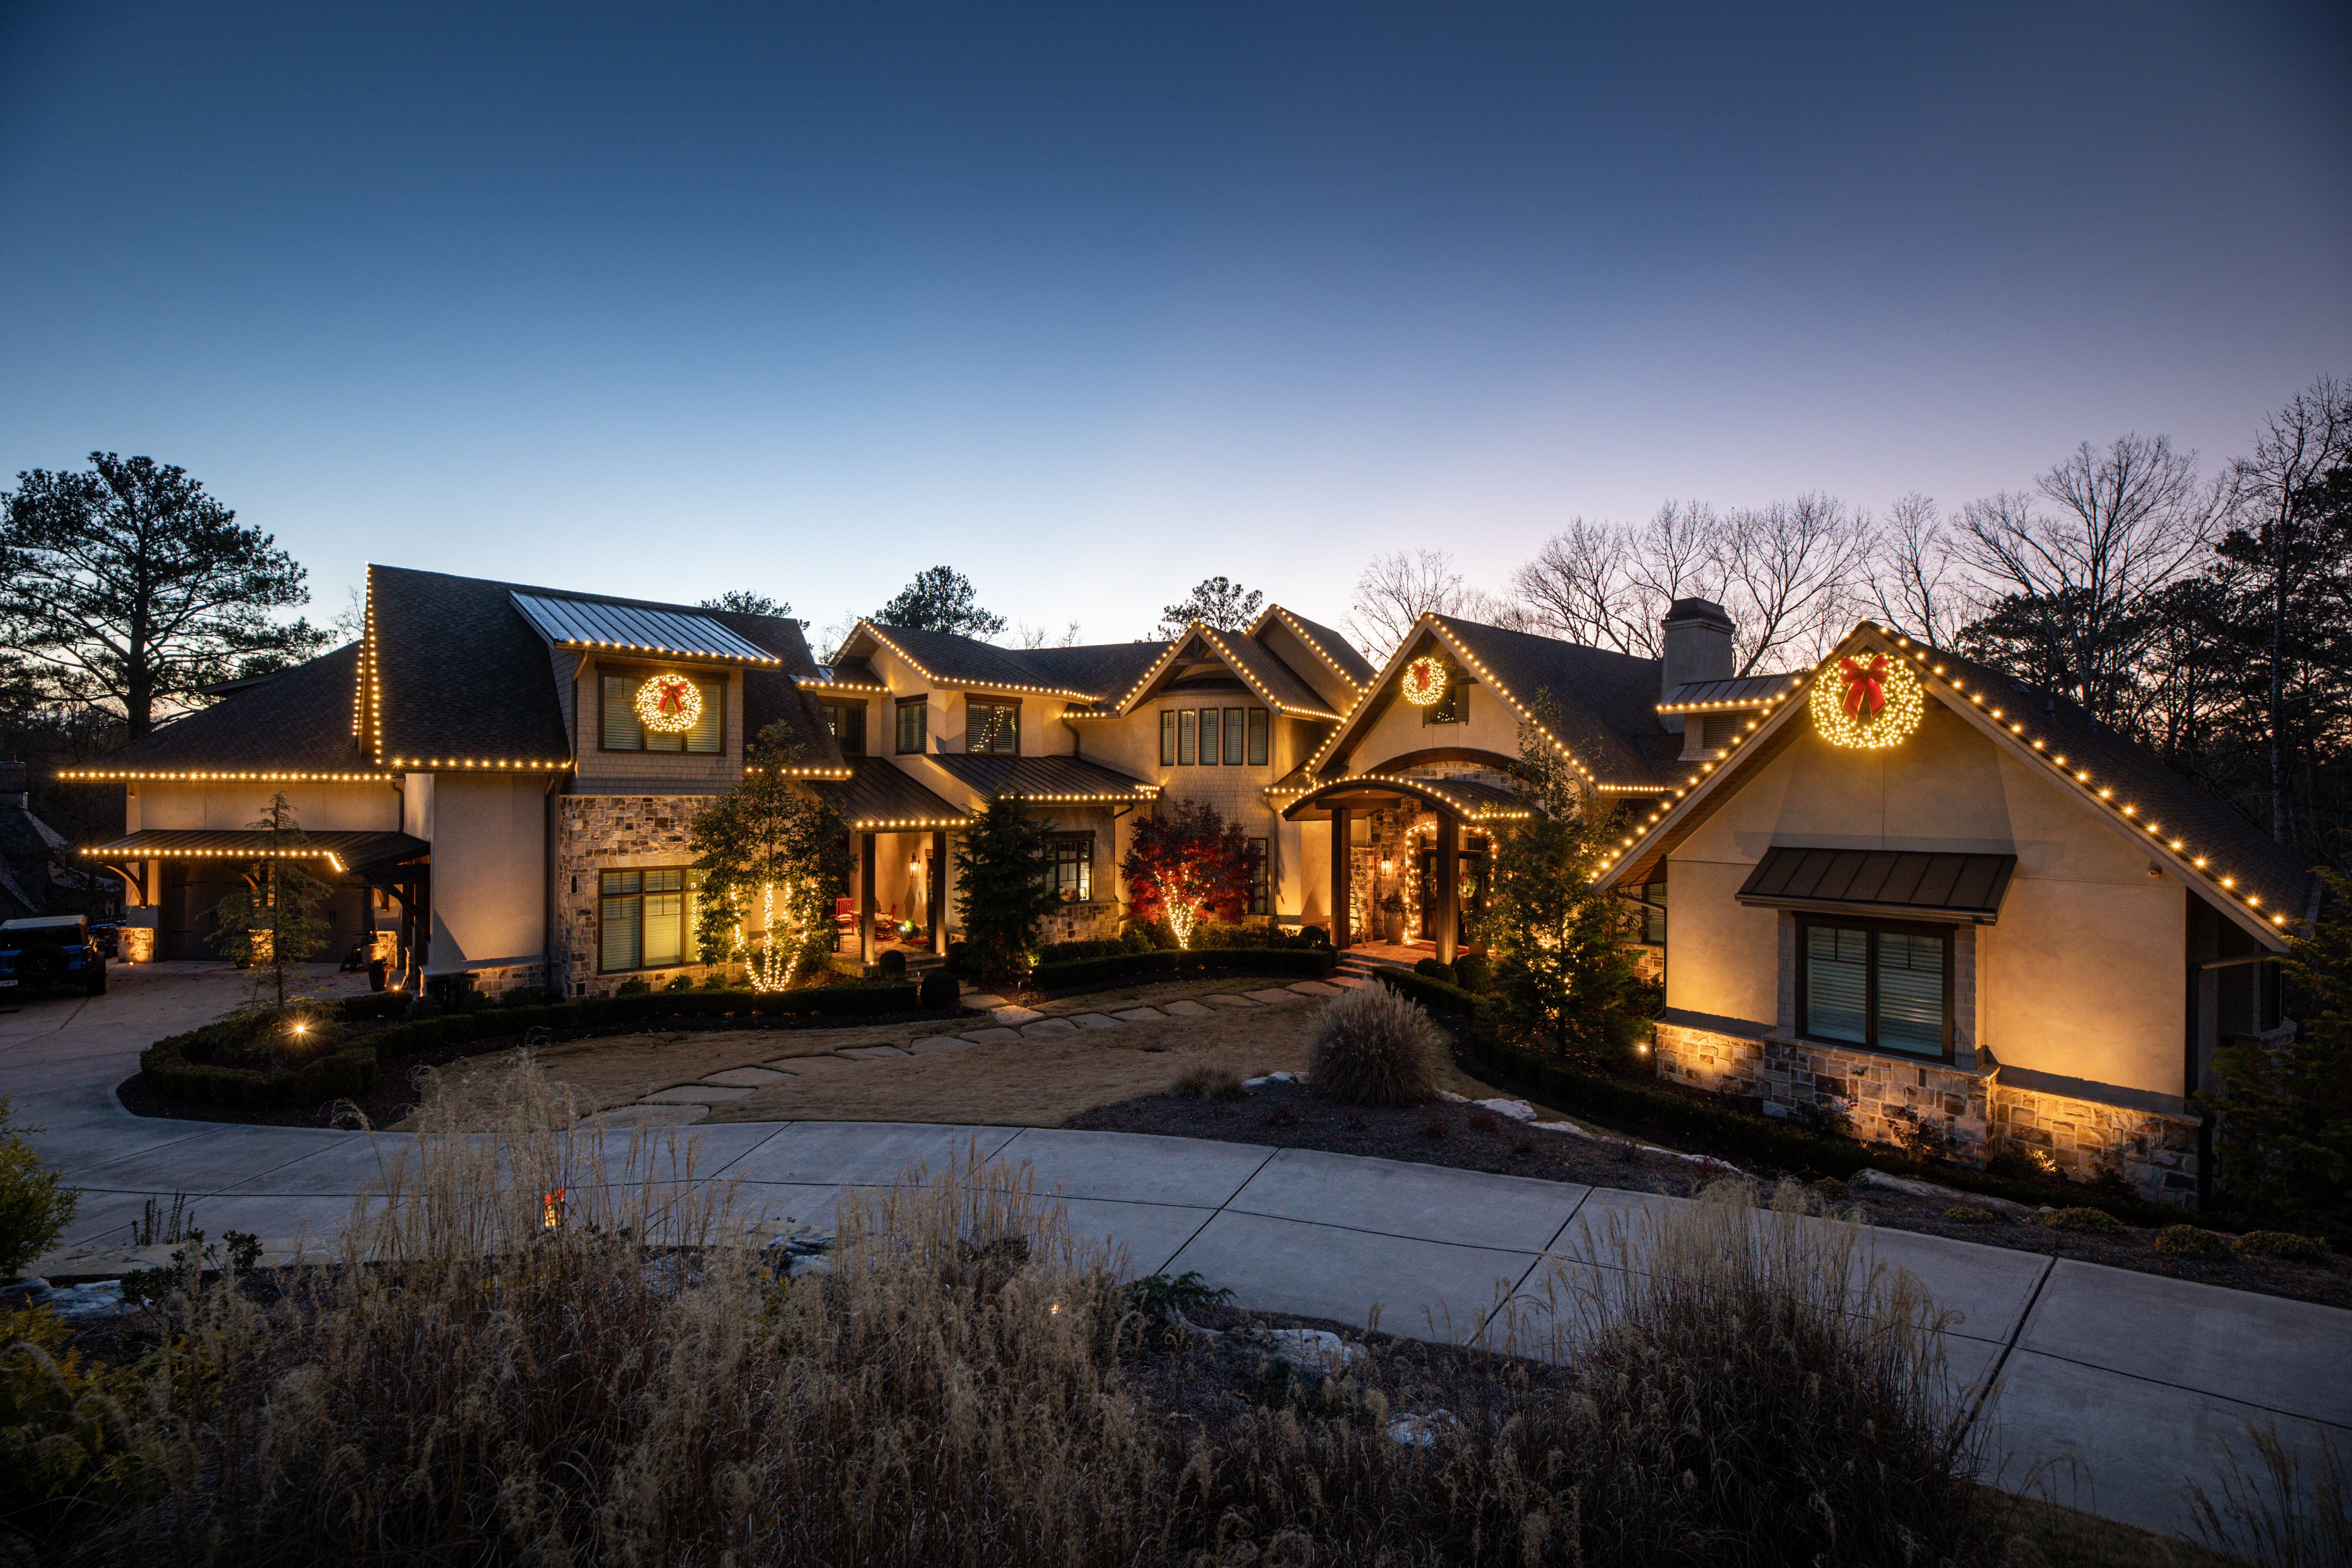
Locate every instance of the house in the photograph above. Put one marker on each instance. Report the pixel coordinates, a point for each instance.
(1906, 892)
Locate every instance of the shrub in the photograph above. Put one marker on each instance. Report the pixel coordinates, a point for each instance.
(1135, 938)
(1309, 961)
(1371, 1047)
(1068, 952)
(2189, 1241)
(633, 988)
(1437, 996)
(2284, 1244)
(1473, 973)
(892, 964)
(682, 983)
(937, 991)
(375, 1004)
(536, 996)
(1434, 970)
(1208, 1083)
(1968, 1214)
(36, 1206)
(1830, 1189)
(1314, 936)
(2086, 1221)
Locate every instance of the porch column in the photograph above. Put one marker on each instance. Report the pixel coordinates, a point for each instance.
(1340, 935)
(938, 892)
(1449, 897)
(865, 900)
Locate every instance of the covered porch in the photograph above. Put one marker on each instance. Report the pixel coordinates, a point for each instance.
(899, 889)
(1410, 859)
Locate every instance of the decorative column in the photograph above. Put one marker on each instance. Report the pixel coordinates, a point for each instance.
(1340, 935)
(938, 892)
(1449, 897)
(865, 900)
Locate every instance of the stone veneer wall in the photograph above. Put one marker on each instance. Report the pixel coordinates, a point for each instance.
(1977, 1114)
(597, 833)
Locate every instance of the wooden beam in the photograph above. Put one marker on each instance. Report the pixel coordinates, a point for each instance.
(865, 900)
(939, 889)
(1449, 895)
(1339, 932)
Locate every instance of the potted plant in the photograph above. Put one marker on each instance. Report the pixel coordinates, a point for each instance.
(1392, 919)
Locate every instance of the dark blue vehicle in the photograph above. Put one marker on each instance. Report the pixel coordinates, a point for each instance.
(52, 950)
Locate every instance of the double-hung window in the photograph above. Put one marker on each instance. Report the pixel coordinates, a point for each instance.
(622, 731)
(1877, 984)
(848, 723)
(1259, 729)
(992, 727)
(1210, 730)
(1187, 728)
(645, 918)
(914, 724)
(1070, 859)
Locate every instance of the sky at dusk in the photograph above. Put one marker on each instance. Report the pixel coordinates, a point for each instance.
(1092, 302)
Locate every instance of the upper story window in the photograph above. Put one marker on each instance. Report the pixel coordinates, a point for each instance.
(991, 725)
(914, 724)
(848, 723)
(1453, 706)
(620, 729)
(1212, 737)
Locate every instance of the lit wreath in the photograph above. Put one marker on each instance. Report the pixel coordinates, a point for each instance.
(1425, 680)
(670, 704)
(1867, 703)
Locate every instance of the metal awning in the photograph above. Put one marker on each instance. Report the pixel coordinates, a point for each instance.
(1904, 883)
(594, 623)
(344, 851)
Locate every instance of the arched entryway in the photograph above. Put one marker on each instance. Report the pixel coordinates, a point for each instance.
(1419, 841)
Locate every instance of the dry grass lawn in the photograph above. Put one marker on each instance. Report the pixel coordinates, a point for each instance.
(1031, 1083)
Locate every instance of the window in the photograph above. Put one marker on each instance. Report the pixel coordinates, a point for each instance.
(1187, 724)
(1258, 878)
(1650, 905)
(1071, 857)
(992, 727)
(645, 920)
(1167, 737)
(1233, 721)
(848, 723)
(622, 732)
(1209, 732)
(914, 724)
(1452, 707)
(1257, 734)
(1886, 987)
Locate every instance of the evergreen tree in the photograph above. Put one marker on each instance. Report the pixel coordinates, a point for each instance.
(1002, 865)
(2286, 1128)
(774, 855)
(1188, 863)
(940, 599)
(1562, 979)
(1219, 601)
(272, 922)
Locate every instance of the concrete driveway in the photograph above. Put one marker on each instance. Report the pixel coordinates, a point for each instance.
(2118, 1388)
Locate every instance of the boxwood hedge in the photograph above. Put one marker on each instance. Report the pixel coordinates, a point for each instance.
(175, 1066)
(1315, 962)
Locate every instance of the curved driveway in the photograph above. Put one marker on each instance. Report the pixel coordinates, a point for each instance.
(2140, 1379)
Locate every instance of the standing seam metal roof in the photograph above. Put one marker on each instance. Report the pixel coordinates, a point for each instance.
(596, 624)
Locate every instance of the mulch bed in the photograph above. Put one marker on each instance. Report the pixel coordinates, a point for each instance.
(1288, 1116)
(399, 1086)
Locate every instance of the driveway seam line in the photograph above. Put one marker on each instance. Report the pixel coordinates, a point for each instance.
(2009, 1347)
(1533, 1264)
(2188, 1388)
(1238, 1188)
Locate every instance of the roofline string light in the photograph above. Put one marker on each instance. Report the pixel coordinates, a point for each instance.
(2001, 725)
(712, 654)
(107, 775)
(1169, 655)
(1321, 652)
(1473, 812)
(916, 665)
(105, 854)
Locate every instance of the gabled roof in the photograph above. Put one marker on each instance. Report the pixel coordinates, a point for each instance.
(1333, 648)
(2234, 864)
(1274, 682)
(573, 622)
(945, 659)
(295, 724)
(1605, 702)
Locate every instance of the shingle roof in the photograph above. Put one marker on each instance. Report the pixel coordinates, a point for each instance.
(1343, 653)
(1105, 670)
(961, 661)
(1605, 700)
(879, 792)
(1041, 777)
(297, 721)
(1274, 678)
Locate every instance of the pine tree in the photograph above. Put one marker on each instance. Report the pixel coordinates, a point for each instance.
(272, 923)
(773, 854)
(1002, 865)
(1562, 979)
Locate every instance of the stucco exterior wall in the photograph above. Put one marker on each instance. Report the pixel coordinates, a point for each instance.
(708, 772)
(1398, 731)
(317, 808)
(489, 871)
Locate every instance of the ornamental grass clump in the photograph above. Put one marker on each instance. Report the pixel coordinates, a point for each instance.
(1371, 1047)
(2189, 1241)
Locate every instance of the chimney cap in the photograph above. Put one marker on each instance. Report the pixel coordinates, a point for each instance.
(1683, 610)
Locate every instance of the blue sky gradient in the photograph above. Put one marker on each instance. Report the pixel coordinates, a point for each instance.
(1092, 302)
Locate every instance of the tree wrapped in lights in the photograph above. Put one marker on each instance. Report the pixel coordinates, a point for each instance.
(1186, 864)
(1562, 979)
(772, 850)
(272, 922)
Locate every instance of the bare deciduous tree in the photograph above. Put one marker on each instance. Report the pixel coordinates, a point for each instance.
(1915, 581)
(1397, 590)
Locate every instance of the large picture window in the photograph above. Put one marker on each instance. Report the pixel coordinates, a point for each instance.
(645, 918)
(1885, 987)
(1214, 737)
(1071, 857)
(621, 732)
(914, 723)
(993, 727)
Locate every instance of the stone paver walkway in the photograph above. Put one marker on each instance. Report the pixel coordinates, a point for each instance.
(2138, 1379)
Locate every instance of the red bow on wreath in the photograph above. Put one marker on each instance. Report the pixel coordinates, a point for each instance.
(1863, 695)
(673, 696)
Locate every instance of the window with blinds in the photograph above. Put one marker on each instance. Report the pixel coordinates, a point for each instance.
(645, 918)
(622, 732)
(1887, 988)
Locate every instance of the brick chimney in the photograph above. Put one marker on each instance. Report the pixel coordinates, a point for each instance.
(1697, 647)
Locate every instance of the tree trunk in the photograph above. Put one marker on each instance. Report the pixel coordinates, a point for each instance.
(138, 680)
(2278, 681)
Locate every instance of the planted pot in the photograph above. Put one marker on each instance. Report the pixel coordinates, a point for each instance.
(1392, 927)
